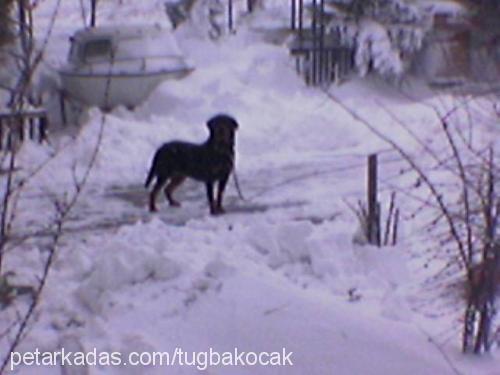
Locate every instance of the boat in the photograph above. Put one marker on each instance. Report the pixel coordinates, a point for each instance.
(110, 66)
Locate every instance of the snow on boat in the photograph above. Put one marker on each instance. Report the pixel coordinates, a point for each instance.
(120, 65)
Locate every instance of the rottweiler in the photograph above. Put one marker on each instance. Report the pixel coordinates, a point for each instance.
(210, 162)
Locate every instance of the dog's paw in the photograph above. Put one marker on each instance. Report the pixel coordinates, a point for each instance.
(217, 211)
(174, 204)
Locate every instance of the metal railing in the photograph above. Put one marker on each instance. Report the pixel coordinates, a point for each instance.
(16, 127)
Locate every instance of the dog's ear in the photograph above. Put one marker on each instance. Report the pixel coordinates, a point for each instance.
(234, 123)
(212, 124)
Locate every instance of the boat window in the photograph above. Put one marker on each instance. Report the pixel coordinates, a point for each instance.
(97, 50)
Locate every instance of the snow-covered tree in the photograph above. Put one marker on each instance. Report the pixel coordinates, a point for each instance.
(375, 52)
(384, 33)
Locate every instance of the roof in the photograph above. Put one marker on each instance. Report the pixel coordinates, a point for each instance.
(136, 41)
(117, 32)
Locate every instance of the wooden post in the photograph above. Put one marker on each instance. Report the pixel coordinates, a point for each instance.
(20, 127)
(314, 28)
(62, 106)
(301, 15)
(44, 123)
(10, 140)
(321, 61)
(2, 132)
(93, 11)
(395, 228)
(307, 69)
(230, 15)
(31, 128)
(389, 219)
(373, 224)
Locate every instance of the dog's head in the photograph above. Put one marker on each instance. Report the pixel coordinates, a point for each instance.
(222, 129)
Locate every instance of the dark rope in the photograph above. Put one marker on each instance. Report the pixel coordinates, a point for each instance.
(237, 184)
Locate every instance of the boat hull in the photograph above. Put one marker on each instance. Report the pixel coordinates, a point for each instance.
(110, 90)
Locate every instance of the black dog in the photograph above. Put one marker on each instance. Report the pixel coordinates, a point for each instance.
(209, 162)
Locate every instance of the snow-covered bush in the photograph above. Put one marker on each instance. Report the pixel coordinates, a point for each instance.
(384, 33)
(374, 51)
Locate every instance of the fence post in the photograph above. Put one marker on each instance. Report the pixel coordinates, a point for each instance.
(43, 125)
(230, 15)
(373, 224)
(2, 132)
(322, 57)
(395, 227)
(20, 127)
(62, 106)
(314, 30)
(10, 140)
(31, 128)
(93, 11)
(17, 127)
(301, 15)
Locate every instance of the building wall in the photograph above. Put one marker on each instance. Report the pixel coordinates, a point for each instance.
(445, 57)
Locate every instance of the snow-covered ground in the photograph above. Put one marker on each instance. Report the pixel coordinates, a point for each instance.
(279, 270)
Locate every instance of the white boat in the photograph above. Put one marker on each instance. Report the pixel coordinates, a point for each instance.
(120, 65)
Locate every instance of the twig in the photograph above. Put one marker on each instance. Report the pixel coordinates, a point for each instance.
(237, 184)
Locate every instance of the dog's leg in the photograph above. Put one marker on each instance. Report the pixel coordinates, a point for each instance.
(173, 184)
(220, 194)
(160, 181)
(210, 196)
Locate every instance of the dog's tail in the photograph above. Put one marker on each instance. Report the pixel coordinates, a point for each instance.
(151, 174)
